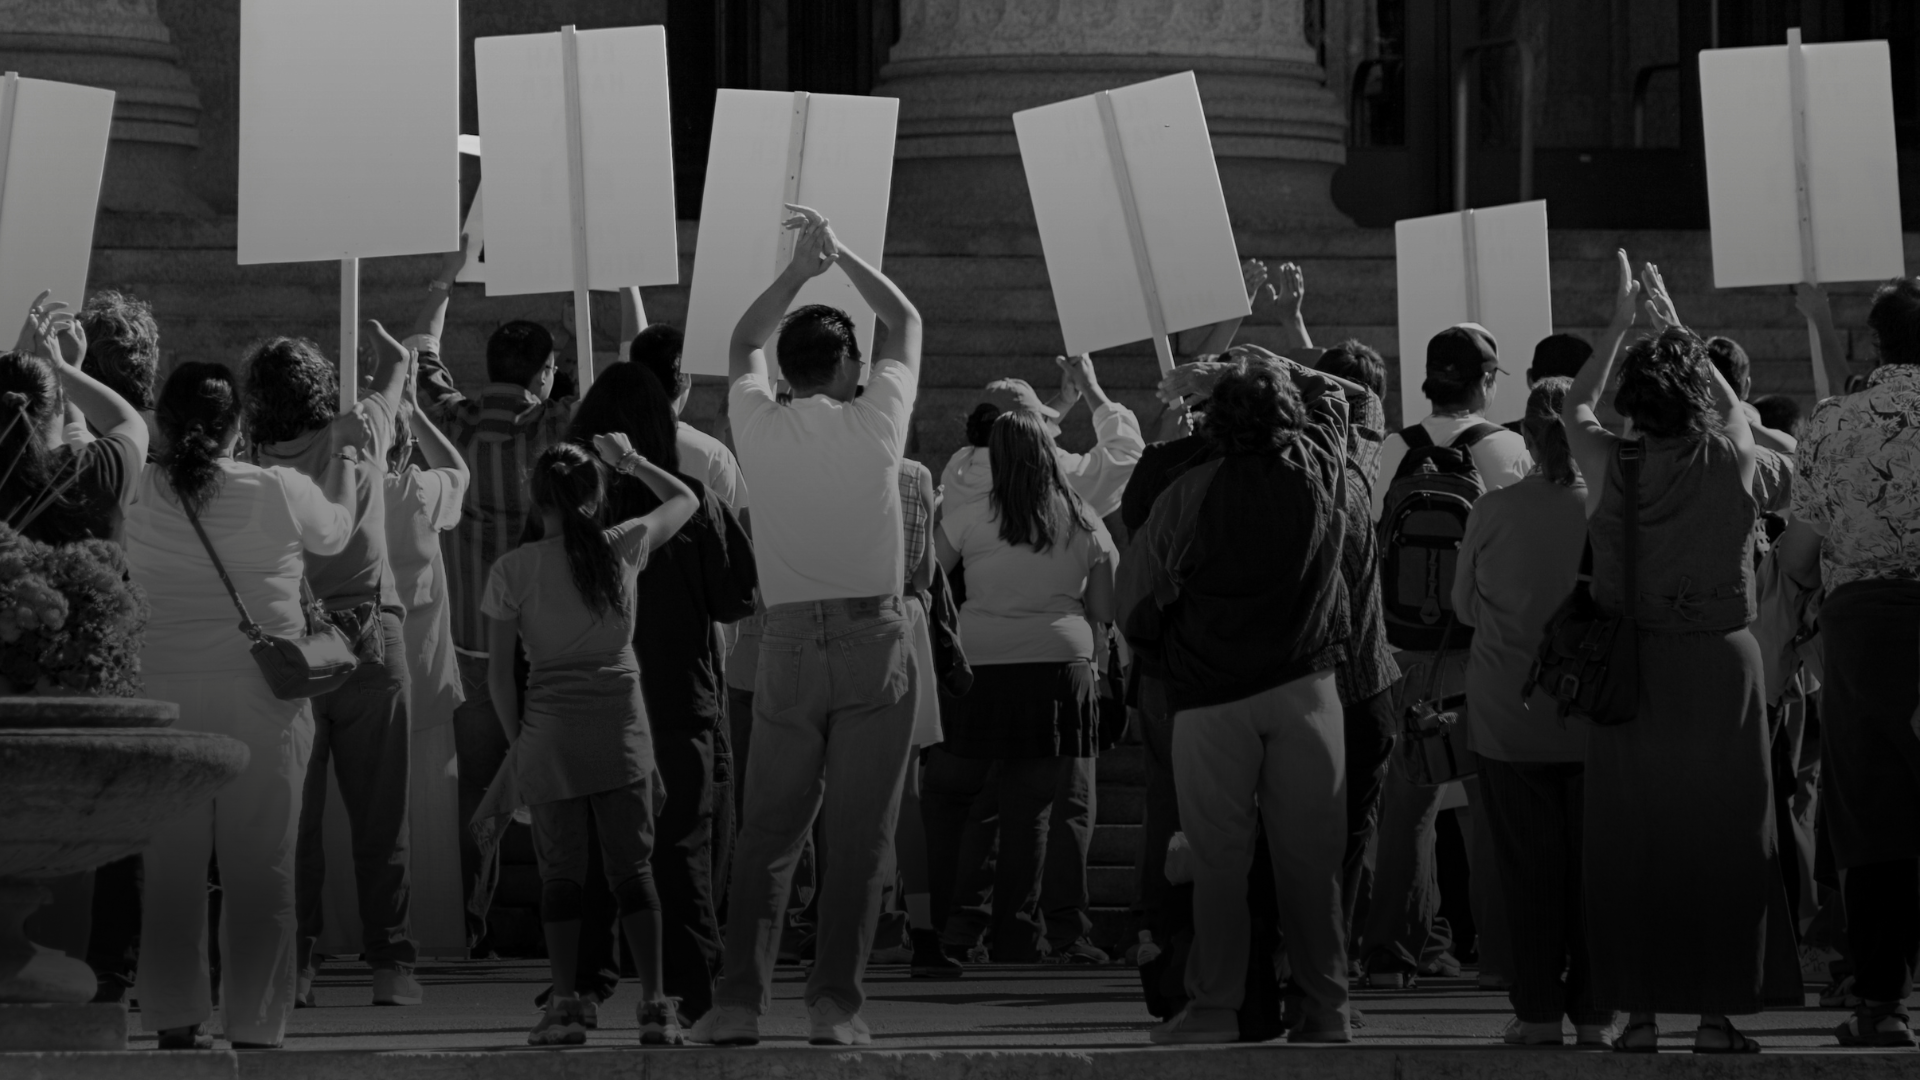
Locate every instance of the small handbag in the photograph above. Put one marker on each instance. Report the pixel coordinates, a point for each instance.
(302, 667)
(1589, 662)
(1433, 733)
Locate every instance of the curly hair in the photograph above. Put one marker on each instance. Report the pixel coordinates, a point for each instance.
(123, 345)
(291, 389)
(1254, 409)
(1356, 361)
(1666, 386)
(1895, 320)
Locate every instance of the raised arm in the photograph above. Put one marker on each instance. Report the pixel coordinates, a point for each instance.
(393, 362)
(108, 412)
(436, 447)
(814, 251)
(1812, 301)
(633, 319)
(1593, 444)
(677, 501)
(889, 304)
(1733, 420)
(433, 311)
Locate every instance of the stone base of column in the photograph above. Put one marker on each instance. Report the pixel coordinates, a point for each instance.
(62, 1027)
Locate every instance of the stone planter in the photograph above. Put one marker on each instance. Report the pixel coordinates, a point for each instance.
(84, 781)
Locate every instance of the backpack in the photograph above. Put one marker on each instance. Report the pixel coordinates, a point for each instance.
(1422, 519)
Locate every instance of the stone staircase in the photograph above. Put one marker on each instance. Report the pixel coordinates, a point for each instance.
(989, 314)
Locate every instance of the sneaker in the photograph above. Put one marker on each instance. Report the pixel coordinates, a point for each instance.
(1193, 1026)
(929, 960)
(185, 1038)
(590, 1011)
(1081, 951)
(1839, 995)
(660, 1023)
(559, 1025)
(727, 1025)
(303, 991)
(391, 986)
(1596, 1036)
(1391, 980)
(891, 954)
(1522, 1033)
(1444, 966)
(979, 954)
(1814, 961)
(835, 1026)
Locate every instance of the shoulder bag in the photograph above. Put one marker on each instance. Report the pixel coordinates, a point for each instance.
(302, 667)
(1589, 662)
(1433, 732)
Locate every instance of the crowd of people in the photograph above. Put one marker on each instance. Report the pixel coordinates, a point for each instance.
(855, 715)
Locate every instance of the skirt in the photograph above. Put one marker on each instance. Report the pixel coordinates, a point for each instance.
(1027, 711)
(1686, 911)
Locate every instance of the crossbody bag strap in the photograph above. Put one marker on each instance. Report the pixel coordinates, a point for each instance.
(247, 626)
(1630, 457)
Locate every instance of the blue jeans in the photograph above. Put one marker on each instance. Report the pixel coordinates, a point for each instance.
(833, 709)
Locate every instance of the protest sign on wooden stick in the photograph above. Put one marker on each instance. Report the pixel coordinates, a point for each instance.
(1803, 176)
(53, 148)
(830, 152)
(1131, 215)
(579, 165)
(474, 226)
(1483, 266)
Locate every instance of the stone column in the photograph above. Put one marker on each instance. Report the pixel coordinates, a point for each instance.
(963, 67)
(123, 46)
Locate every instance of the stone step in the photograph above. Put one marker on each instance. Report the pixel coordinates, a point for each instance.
(1114, 845)
(1120, 804)
(1111, 886)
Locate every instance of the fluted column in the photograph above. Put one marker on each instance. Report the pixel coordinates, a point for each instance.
(121, 45)
(963, 67)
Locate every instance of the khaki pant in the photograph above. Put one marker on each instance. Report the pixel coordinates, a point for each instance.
(1279, 753)
(252, 825)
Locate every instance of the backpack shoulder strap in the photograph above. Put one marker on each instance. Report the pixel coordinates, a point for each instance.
(1416, 437)
(1467, 439)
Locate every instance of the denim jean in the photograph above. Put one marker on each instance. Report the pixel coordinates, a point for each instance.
(833, 709)
(1063, 889)
(1402, 933)
(1371, 728)
(1161, 816)
(480, 747)
(1024, 793)
(363, 728)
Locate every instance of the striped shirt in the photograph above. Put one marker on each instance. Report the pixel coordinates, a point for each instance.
(915, 515)
(499, 436)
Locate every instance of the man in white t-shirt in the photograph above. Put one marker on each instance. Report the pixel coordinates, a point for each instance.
(835, 694)
(1463, 364)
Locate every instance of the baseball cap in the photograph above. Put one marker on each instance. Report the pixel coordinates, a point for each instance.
(1015, 395)
(1462, 354)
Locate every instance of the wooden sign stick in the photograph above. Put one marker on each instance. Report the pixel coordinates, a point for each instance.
(349, 333)
(1149, 290)
(577, 180)
(790, 194)
(1470, 246)
(9, 98)
(1810, 273)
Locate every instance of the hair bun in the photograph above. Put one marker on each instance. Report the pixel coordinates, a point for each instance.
(14, 399)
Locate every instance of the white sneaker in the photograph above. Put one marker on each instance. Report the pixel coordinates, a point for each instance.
(726, 1025)
(1597, 1036)
(559, 1024)
(1521, 1033)
(835, 1026)
(394, 987)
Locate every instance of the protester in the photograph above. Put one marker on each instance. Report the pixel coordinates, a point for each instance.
(702, 576)
(582, 753)
(265, 526)
(1681, 792)
(292, 419)
(828, 542)
(1517, 562)
(1234, 583)
(498, 433)
(123, 347)
(1039, 582)
(1859, 486)
(1097, 477)
(657, 347)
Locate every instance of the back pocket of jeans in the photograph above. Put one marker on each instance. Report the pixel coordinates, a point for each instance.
(777, 679)
(871, 667)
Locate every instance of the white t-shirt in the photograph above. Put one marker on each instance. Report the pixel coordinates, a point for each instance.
(1025, 606)
(826, 477)
(1502, 457)
(421, 504)
(261, 521)
(705, 457)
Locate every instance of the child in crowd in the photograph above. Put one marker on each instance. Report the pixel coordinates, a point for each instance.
(582, 751)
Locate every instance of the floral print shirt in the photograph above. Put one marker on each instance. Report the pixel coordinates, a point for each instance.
(1859, 479)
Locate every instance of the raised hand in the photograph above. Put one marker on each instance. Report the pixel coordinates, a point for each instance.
(1069, 385)
(1260, 291)
(1292, 288)
(612, 447)
(454, 261)
(1660, 310)
(1811, 299)
(1626, 297)
(815, 248)
(1192, 382)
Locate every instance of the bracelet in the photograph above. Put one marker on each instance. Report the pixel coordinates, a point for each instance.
(439, 286)
(631, 461)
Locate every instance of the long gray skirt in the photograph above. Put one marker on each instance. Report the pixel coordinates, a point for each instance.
(1683, 884)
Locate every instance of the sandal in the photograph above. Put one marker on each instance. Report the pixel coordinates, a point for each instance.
(1864, 1027)
(1736, 1042)
(1624, 1045)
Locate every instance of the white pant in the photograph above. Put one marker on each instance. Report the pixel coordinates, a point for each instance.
(252, 824)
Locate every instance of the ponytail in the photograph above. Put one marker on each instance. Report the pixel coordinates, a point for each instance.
(569, 481)
(1548, 432)
(197, 412)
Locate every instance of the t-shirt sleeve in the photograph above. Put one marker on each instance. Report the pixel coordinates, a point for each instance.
(109, 466)
(441, 492)
(748, 399)
(1502, 459)
(324, 525)
(629, 540)
(373, 434)
(889, 397)
(501, 600)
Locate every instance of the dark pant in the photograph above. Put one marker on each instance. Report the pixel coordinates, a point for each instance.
(683, 854)
(1370, 729)
(363, 728)
(962, 828)
(1161, 816)
(480, 746)
(1534, 812)
(1883, 927)
(1063, 884)
(1022, 791)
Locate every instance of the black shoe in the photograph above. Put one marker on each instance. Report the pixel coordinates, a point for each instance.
(185, 1038)
(930, 961)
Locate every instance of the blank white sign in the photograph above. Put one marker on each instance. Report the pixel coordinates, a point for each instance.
(349, 128)
(1515, 293)
(627, 148)
(1853, 176)
(1083, 228)
(846, 173)
(50, 168)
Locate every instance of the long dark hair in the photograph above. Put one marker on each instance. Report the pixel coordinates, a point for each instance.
(1548, 432)
(1666, 386)
(36, 496)
(628, 398)
(1029, 495)
(571, 482)
(197, 411)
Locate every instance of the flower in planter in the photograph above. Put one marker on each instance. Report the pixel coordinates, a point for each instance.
(71, 618)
